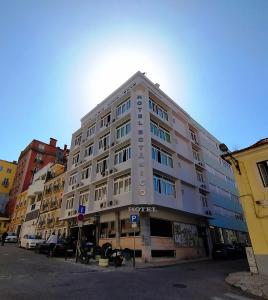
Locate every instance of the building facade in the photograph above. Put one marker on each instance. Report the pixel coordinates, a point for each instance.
(34, 195)
(250, 166)
(49, 216)
(139, 150)
(19, 213)
(3, 224)
(7, 174)
(33, 158)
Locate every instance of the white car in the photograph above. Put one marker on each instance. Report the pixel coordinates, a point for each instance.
(11, 237)
(29, 241)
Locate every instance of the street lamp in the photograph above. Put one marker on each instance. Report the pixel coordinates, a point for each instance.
(225, 149)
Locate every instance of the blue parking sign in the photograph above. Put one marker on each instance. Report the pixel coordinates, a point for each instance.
(82, 209)
(134, 219)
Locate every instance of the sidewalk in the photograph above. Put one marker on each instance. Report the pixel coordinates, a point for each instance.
(254, 284)
(128, 266)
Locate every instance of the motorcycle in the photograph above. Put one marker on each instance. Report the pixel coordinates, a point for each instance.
(86, 252)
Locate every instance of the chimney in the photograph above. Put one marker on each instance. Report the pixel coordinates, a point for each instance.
(53, 142)
(157, 85)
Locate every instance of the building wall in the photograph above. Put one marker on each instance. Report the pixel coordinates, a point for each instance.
(3, 224)
(19, 213)
(7, 174)
(49, 217)
(33, 158)
(252, 190)
(159, 122)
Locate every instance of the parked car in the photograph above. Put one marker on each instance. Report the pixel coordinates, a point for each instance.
(62, 247)
(29, 241)
(11, 238)
(224, 251)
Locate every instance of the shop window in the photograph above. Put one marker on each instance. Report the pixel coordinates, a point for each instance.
(161, 228)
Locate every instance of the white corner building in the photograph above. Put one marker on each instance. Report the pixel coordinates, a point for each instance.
(139, 150)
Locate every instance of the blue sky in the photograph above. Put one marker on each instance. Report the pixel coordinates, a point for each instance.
(58, 59)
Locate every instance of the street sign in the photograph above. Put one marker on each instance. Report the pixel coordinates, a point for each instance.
(134, 219)
(80, 224)
(80, 217)
(82, 209)
(134, 225)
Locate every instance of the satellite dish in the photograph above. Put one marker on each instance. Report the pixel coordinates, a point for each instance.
(223, 148)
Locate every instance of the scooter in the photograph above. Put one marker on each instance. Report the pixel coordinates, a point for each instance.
(86, 252)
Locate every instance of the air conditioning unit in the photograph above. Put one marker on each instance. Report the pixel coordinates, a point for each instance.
(112, 144)
(73, 187)
(111, 171)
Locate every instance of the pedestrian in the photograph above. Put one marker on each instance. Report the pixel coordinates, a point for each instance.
(4, 235)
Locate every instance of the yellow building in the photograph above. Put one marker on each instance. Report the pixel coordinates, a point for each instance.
(7, 174)
(48, 220)
(19, 213)
(250, 166)
(3, 224)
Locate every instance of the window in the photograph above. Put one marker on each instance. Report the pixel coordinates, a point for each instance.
(160, 111)
(122, 108)
(200, 177)
(5, 182)
(9, 170)
(70, 202)
(160, 132)
(122, 155)
(86, 172)
(1, 168)
(123, 130)
(73, 179)
(104, 142)
(162, 156)
(161, 227)
(193, 136)
(263, 170)
(83, 198)
(204, 200)
(91, 130)
(106, 120)
(102, 165)
(107, 230)
(77, 140)
(196, 155)
(101, 192)
(164, 186)
(89, 150)
(76, 158)
(122, 184)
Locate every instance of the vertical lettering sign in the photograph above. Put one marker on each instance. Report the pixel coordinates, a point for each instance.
(140, 146)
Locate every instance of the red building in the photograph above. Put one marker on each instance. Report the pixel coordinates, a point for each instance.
(33, 158)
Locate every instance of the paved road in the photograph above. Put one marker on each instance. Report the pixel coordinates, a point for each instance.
(26, 275)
